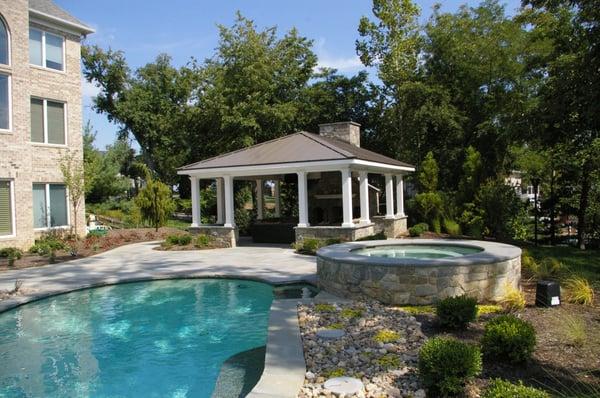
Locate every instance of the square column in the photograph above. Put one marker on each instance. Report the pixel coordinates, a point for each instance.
(302, 200)
(399, 196)
(364, 197)
(347, 198)
(229, 203)
(195, 190)
(220, 202)
(277, 193)
(259, 199)
(389, 196)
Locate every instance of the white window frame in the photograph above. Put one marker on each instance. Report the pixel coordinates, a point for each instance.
(8, 47)
(45, 122)
(49, 226)
(64, 55)
(13, 215)
(10, 121)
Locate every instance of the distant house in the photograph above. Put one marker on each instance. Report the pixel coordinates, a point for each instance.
(525, 192)
(40, 117)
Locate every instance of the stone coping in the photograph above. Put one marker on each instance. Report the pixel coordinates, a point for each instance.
(336, 227)
(493, 252)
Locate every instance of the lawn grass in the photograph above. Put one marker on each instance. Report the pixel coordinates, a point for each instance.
(585, 263)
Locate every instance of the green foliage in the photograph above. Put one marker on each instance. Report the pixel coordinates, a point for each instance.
(418, 309)
(573, 329)
(338, 372)
(47, 245)
(456, 312)
(203, 241)
(502, 389)
(337, 325)
(12, 254)
(471, 176)
(451, 227)
(529, 265)
(513, 300)
(178, 240)
(550, 267)
(509, 338)
(472, 221)
(377, 236)
(428, 174)
(324, 307)
(351, 313)
(579, 290)
(446, 365)
(418, 229)
(499, 206)
(311, 245)
(386, 336)
(155, 203)
(389, 361)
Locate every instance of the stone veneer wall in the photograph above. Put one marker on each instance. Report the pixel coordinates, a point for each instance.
(223, 236)
(413, 285)
(334, 232)
(22, 161)
(392, 227)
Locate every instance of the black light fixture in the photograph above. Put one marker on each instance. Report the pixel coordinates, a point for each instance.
(547, 294)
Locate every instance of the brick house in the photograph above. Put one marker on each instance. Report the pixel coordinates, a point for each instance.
(40, 117)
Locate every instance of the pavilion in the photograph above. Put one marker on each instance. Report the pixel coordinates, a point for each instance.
(329, 166)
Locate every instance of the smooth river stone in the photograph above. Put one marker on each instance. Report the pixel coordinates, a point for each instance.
(344, 385)
(330, 334)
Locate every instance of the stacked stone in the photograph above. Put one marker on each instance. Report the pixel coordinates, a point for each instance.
(386, 369)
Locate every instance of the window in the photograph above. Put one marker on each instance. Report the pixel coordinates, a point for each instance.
(47, 121)
(46, 49)
(4, 44)
(50, 205)
(6, 208)
(5, 110)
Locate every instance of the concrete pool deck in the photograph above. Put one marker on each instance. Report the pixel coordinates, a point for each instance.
(138, 261)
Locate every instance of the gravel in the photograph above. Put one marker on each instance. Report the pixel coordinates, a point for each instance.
(386, 366)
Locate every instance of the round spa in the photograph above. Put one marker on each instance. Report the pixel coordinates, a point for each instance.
(419, 271)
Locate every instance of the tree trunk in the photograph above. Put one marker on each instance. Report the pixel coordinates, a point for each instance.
(583, 204)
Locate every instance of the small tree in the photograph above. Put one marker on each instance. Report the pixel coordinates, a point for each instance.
(155, 203)
(73, 173)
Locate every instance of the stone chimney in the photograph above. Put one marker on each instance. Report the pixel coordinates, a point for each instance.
(344, 131)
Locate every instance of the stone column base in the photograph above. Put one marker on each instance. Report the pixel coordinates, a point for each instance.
(223, 236)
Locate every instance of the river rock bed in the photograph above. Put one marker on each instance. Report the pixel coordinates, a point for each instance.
(380, 347)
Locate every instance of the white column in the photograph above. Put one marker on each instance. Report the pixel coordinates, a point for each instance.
(229, 209)
(347, 197)
(364, 197)
(399, 196)
(259, 199)
(389, 196)
(302, 200)
(277, 193)
(220, 202)
(195, 189)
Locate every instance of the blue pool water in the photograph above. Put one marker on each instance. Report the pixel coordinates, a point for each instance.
(421, 251)
(146, 339)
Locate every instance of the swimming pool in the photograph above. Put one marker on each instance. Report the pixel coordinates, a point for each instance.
(144, 339)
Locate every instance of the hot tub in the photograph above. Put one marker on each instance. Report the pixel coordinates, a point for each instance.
(419, 271)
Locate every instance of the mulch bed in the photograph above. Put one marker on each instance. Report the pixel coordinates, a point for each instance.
(94, 245)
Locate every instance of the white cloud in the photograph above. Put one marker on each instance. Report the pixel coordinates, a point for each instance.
(342, 63)
(88, 90)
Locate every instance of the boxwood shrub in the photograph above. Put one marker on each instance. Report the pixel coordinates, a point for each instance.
(446, 364)
(456, 312)
(418, 229)
(501, 389)
(508, 338)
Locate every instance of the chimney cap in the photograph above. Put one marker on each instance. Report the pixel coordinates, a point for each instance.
(336, 123)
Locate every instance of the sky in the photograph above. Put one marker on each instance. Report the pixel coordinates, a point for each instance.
(142, 29)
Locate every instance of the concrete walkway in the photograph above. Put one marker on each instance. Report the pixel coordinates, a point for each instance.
(140, 262)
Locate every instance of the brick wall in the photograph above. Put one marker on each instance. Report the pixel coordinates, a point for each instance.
(23, 161)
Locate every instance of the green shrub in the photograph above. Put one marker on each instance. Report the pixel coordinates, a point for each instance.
(508, 338)
(178, 240)
(48, 246)
(311, 245)
(579, 291)
(550, 267)
(185, 240)
(504, 389)
(528, 264)
(451, 227)
(203, 241)
(456, 312)
(12, 254)
(377, 236)
(172, 240)
(472, 221)
(436, 225)
(389, 361)
(418, 229)
(513, 300)
(97, 233)
(446, 364)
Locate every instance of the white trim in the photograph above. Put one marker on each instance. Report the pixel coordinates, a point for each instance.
(292, 168)
(364, 197)
(229, 202)
(389, 197)
(44, 65)
(10, 110)
(400, 196)
(45, 18)
(13, 212)
(347, 198)
(45, 122)
(302, 200)
(195, 193)
(49, 226)
(8, 38)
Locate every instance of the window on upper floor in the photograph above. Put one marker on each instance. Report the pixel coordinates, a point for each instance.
(5, 105)
(6, 208)
(50, 205)
(46, 49)
(47, 121)
(4, 44)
